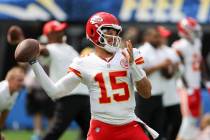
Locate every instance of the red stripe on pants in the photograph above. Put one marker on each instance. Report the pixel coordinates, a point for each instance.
(194, 103)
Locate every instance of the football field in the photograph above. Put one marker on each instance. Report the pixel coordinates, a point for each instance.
(26, 135)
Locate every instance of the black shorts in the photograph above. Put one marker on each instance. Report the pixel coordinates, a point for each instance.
(37, 101)
(69, 108)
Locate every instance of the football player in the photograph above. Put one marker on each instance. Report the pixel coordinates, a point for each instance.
(171, 100)
(68, 108)
(188, 47)
(109, 73)
(156, 59)
(9, 91)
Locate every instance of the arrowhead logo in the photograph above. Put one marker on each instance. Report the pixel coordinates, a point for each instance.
(124, 63)
(96, 19)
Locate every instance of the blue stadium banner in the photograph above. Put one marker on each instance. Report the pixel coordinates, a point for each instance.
(126, 10)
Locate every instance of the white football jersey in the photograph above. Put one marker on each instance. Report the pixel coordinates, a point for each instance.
(6, 100)
(61, 55)
(170, 96)
(110, 86)
(152, 57)
(191, 53)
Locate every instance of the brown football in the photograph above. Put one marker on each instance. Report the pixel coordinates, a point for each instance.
(27, 50)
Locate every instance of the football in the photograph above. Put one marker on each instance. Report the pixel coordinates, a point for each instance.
(27, 50)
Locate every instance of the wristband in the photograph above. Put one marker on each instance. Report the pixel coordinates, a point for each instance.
(137, 73)
(31, 62)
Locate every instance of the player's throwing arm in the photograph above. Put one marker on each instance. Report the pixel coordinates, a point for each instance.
(28, 51)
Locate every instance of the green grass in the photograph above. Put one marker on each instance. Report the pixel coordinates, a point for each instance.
(26, 135)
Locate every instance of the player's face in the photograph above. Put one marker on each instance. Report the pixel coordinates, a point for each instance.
(108, 34)
(163, 40)
(56, 37)
(17, 81)
(155, 39)
(196, 34)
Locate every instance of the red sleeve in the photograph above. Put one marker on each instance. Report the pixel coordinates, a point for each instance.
(75, 72)
(139, 60)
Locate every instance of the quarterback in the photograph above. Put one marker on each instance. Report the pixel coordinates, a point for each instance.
(109, 73)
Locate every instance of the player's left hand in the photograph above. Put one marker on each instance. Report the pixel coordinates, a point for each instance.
(128, 53)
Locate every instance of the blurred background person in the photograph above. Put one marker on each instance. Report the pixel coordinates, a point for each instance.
(14, 36)
(75, 106)
(38, 104)
(155, 59)
(132, 33)
(9, 89)
(188, 47)
(171, 100)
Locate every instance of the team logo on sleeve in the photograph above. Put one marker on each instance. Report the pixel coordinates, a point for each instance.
(124, 63)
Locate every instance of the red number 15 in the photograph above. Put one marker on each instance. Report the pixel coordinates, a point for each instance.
(115, 85)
